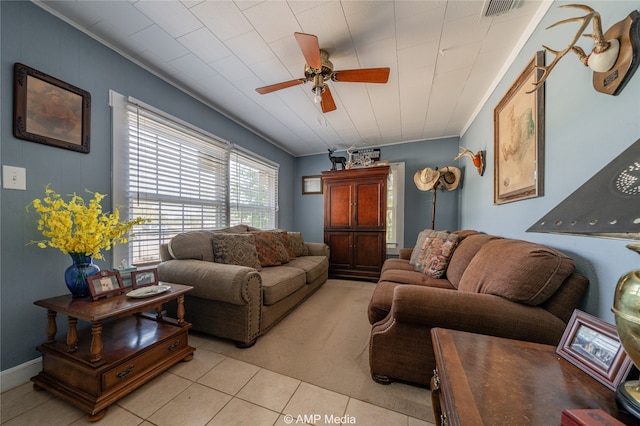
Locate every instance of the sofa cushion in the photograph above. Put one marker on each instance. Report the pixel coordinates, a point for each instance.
(192, 245)
(313, 266)
(284, 239)
(271, 252)
(466, 250)
(517, 270)
(297, 244)
(436, 253)
(279, 282)
(235, 249)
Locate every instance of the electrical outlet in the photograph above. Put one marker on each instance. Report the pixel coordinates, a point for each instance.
(14, 178)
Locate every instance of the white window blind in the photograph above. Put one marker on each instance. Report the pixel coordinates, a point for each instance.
(177, 178)
(253, 191)
(182, 178)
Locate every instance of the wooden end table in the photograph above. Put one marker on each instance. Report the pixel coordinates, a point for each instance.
(494, 381)
(129, 342)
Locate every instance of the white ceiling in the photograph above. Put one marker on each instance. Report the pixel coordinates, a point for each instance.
(444, 57)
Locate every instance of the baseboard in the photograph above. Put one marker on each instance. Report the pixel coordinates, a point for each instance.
(20, 374)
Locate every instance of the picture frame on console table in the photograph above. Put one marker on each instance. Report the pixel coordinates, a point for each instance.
(49, 111)
(144, 278)
(518, 126)
(593, 346)
(105, 283)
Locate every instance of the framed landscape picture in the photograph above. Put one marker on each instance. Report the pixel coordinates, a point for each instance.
(518, 122)
(50, 111)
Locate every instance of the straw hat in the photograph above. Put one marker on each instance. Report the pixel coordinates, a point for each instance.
(450, 177)
(426, 179)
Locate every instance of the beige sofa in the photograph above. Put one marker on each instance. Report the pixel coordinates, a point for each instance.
(490, 285)
(242, 288)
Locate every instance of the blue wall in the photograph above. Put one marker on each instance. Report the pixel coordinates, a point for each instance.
(584, 131)
(309, 213)
(36, 38)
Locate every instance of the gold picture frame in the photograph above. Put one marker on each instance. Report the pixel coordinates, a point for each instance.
(518, 122)
(49, 111)
(594, 347)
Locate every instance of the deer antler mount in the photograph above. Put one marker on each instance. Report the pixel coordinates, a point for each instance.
(477, 158)
(614, 57)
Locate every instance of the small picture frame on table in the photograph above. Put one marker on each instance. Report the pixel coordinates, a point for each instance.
(144, 278)
(105, 283)
(593, 346)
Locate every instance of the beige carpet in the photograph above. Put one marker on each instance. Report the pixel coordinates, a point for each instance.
(325, 342)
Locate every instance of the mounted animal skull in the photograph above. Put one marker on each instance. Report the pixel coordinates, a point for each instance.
(477, 158)
(614, 57)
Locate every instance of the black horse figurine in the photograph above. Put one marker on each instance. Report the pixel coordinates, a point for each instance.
(337, 160)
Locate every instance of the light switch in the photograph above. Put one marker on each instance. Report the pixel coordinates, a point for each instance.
(14, 178)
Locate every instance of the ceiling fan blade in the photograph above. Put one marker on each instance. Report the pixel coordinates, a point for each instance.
(310, 49)
(365, 75)
(327, 103)
(272, 88)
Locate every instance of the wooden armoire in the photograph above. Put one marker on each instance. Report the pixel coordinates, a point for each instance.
(355, 212)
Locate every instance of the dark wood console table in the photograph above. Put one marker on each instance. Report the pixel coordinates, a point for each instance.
(494, 381)
(127, 345)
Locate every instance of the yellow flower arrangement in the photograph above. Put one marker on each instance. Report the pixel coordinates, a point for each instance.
(75, 227)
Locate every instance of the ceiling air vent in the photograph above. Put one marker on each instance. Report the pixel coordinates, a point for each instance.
(498, 7)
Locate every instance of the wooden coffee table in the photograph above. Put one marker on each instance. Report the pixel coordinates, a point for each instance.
(129, 341)
(494, 381)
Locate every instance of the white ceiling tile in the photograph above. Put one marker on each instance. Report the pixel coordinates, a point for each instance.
(172, 16)
(250, 48)
(223, 18)
(159, 42)
(205, 45)
(232, 68)
(192, 66)
(272, 21)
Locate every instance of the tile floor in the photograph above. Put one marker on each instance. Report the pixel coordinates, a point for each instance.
(211, 390)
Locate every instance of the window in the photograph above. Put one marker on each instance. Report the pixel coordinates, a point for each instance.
(253, 191)
(182, 179)
(395, 208)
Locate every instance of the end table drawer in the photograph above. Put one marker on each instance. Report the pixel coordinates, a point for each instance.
(145, 361)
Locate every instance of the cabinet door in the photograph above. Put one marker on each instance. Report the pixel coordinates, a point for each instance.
(340, 249)
(368, 204)
(338, 205)
(369, 251)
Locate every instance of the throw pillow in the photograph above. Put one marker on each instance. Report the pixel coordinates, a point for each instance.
(297, 244)
(417, 249)
(235, 249)
(284, 239)
(436, 253)
(267, 246)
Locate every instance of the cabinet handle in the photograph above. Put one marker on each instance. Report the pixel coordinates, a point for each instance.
(174, 346)
(125, 373)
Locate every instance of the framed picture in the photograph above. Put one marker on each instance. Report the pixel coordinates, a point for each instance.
(518, 126)
(593, 346)
(105, 283)
(144, 278)
(49, 111)
(311, 184)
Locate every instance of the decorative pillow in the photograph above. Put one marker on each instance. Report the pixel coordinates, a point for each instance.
(417, 249)
(235, 249)
(436, 253)
(269, 254)
(284, 239)
(297, 244)
(520, 271)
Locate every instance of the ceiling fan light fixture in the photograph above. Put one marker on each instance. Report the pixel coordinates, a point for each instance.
(317, 90)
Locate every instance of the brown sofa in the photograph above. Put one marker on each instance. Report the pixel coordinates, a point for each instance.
(244, 282)
(492, 285)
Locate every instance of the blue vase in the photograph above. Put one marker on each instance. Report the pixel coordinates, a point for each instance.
(76, 275)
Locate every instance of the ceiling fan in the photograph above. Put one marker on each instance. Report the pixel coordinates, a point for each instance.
(319, 69)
